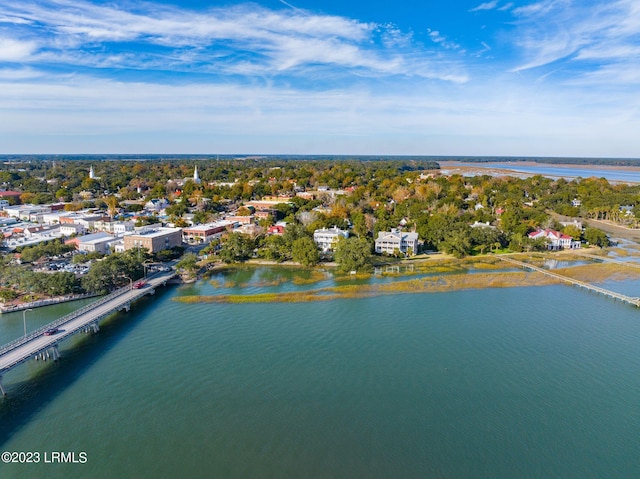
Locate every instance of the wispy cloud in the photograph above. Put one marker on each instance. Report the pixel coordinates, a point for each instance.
(440, 39)
(224, 40)
(578, 33)
(485, 6)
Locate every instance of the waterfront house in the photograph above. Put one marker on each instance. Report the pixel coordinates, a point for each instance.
(555, 239)
(326, 238)
(390, 242)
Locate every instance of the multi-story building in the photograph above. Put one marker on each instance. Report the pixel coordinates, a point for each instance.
(555, 239)
(154, 240)
(201, 234)
(326, 238)
(390, 242)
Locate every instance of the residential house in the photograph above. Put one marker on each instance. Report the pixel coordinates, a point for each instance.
(555, 239)
(390, 242)
(326, 238)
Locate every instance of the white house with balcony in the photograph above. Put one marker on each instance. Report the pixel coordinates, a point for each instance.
(555, 239)
(390, 242)
(326, 238)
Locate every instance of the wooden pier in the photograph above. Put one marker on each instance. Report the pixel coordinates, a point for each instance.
(565, 279)
(630, 264)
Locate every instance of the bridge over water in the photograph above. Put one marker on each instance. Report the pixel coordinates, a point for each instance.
(37, 345)
(575, 282)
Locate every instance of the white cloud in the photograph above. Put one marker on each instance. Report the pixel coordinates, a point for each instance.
(497, 118)
(12, 50)
(440, 39)
(575, 33)
(485, 6)
(225, 40)
(19, 74)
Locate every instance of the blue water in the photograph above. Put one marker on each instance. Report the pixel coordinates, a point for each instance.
(620, 174)
(505, 383)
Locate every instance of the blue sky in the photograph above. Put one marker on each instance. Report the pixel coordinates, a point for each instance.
(523, 78)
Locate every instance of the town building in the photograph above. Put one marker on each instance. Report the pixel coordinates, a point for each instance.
(326, 238)
(154, 240)
(201, 234)
(6, 194)
(93, 243)
(72, 229)
(26, 212)
(390, 242)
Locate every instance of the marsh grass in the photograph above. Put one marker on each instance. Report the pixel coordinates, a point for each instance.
(599, 272)
(314, 277)
(485, 278)
(352, 291)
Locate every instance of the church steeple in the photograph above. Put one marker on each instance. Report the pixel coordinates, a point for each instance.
(196, 178)
(92, 174)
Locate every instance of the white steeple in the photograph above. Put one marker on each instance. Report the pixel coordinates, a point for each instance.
(92, 174)
(196, 179)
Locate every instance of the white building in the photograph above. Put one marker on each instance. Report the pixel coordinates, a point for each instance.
(555, 239)
(396, 240)
(98, 243)
(72, 229)
(156, 205)
(24, 212)
(326, 238)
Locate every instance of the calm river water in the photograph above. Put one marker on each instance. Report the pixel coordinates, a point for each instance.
(500, 383)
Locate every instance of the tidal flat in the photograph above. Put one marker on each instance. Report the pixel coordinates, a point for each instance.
(409, 278)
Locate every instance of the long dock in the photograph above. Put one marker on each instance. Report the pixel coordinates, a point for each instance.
(605, 259)
(38, 345)
(565, 279)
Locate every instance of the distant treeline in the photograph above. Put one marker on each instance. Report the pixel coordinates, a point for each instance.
(420, 159)
(432, 160)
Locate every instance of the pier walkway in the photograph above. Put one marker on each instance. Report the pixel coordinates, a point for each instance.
(38, 345)
(575, 282)
(605, 259)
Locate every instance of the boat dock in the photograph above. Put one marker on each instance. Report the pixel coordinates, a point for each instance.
(574, 282)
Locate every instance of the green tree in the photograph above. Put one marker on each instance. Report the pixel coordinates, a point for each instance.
(188, 264)
(596, 237)
(458, 242)
(573, 231)
(353, 254)
(236, 247)
(305, 251)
